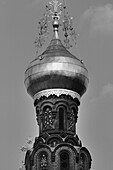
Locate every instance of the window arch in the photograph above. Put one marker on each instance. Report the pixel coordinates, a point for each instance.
(64, 160)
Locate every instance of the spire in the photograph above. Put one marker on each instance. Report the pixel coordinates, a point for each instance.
(55, 9)
(55, 24)
(55, 28)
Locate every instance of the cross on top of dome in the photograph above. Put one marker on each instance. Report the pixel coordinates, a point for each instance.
(54, 10)
(55, 5)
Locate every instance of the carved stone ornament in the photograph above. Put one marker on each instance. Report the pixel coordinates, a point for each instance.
(57, 92)
(43, 162)
(48, 122)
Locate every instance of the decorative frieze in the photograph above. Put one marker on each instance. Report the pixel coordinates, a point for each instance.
(57, 92)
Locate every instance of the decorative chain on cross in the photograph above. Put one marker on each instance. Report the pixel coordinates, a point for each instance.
(43, 32)
(69, 31)
(53, 11)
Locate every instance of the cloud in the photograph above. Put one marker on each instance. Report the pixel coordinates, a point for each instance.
(101, 18)
(107, 90)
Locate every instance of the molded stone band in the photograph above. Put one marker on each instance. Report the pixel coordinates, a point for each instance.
(57, 92)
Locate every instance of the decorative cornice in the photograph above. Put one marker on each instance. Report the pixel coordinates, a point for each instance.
(57, 92)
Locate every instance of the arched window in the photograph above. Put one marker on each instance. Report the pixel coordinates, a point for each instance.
(64, 161)
(61, 118)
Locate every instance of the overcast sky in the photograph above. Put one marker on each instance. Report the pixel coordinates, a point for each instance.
(18, 28)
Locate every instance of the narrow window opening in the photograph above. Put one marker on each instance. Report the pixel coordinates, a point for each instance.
(61, 119)
(64, 161)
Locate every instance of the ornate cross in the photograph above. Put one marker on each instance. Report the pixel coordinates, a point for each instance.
(55, 4)
(54, 9)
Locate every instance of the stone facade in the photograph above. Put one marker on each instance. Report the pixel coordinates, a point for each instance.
(58, 146)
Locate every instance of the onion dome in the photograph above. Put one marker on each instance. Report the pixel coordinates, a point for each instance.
(56, 71)
(57, 68)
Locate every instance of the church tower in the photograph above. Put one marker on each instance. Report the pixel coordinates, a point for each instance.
(56, 80)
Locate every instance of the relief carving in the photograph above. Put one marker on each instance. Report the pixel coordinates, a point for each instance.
(48, 121)
(43, 162)
(71, 120)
